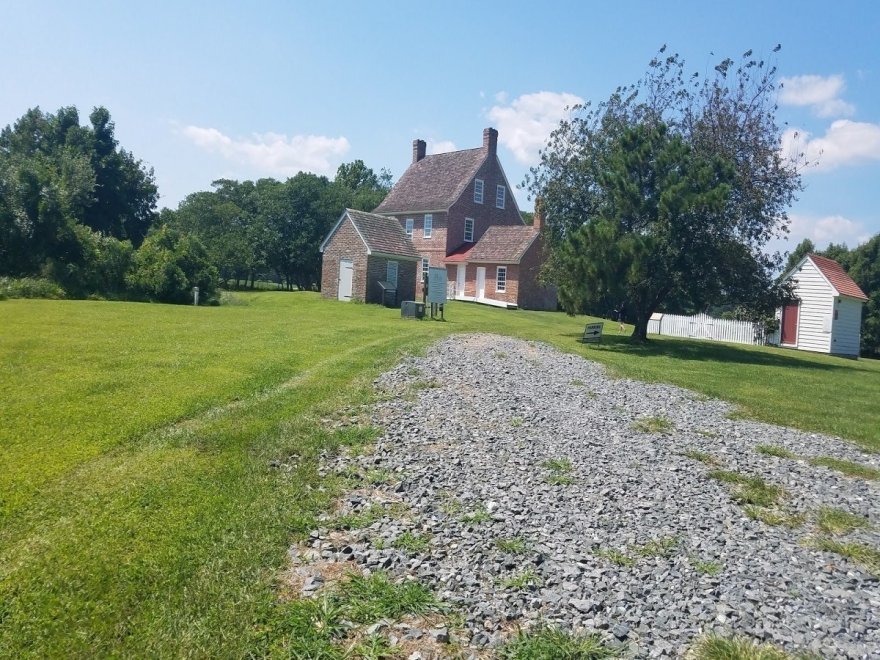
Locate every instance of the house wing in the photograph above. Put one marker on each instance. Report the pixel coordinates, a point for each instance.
(433, 183)
(383, 235)
(503, 244)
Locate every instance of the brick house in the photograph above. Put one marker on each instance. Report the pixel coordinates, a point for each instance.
(444, 201)
(502, 269)
(362, 250)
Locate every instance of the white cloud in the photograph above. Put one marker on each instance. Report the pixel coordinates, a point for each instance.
(824, 230)
(525, 124)
(845, 142)
(441, 147)
(501, 97)
(822, 93)
(273, 153)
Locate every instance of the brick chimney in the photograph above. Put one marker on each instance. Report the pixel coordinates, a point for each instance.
(490, 140)
(419, 147)
(538, 218)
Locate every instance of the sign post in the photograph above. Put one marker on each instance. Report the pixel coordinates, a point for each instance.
(592, 333)
(437, 291)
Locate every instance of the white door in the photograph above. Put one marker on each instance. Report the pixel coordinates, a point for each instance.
(481, 283)
(346, 277)
(459, 280)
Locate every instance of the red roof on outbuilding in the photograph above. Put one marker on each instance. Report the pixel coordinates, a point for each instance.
(835, 274)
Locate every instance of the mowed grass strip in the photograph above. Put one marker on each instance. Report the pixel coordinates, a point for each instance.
(139, 510)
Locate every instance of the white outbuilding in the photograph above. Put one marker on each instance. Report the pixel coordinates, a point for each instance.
(826, 315)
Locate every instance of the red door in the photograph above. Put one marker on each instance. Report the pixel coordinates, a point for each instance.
(789, 323)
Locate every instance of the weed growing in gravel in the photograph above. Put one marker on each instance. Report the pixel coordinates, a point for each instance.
(577, 382)
(514, 546)
(426, 384)
(516, 421)
(615, 556)
(864, 555)
(413, 371)
(379, 477)
(773, 450)
(662, 547)
(318, 627)
(500, 354)
(849, 468)
(358, 520)
(701, 456)
(477, 516)
(774, 517)
(705, 433)
(749, 490)
(411, 542)
(714, 647)
(560, 469)
(836, 521)
(652, 425)
(528, 578)
(706, 567)
(451, 507)
(551, 643)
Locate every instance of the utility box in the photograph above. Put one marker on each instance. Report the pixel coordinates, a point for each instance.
(410, 309)
(389, 293)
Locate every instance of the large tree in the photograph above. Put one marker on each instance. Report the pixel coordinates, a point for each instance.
(668, 192)
(56, 175)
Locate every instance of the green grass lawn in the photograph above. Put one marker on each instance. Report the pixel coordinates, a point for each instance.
(139, 510)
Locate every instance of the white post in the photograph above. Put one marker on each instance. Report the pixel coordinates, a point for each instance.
(195, 295)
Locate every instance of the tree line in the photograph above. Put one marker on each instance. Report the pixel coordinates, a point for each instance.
(78, 217)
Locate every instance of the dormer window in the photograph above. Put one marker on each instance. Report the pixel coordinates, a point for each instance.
(478, 191)
(468, 230)
(410, 223)
(500, 194)
(429, 226)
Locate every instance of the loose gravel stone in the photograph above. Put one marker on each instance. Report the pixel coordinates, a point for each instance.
(542, 502)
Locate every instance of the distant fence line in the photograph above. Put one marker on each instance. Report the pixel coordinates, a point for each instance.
(703, 326)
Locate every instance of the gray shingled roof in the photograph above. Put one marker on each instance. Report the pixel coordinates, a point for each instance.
(433, 183)
(383, 234)
(503, 244)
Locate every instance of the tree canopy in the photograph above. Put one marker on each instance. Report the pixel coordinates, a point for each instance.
(56, 175)
(668, 192)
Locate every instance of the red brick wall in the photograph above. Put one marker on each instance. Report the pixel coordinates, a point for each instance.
(484, 214)
(434, 248)
(344, 244)
(377, 270)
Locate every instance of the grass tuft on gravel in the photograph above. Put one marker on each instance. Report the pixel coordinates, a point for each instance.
(652, 425)
(560, 471)
(701, 456)
(848, 468)
(524, 580)
(774, 517)
(863, 555)
(774, 450)
(514, 545)
(411, 542)
(835, 522)
(706, 567)
(749, 489)
(714, 647)
(548, 643)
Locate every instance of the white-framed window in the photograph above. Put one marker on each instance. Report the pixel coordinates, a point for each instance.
(478, 191)
(426, 263)
(410, 223)
(468, 230)
(391, 272)
(501, 279)
(500, 194)
(429, 225)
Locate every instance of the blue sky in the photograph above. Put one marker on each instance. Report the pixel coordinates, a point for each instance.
(206, 90)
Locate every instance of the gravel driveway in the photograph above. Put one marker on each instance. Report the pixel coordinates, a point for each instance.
(545, 491)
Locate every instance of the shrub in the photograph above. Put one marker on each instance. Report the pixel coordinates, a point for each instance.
(29, 287)
(92, 264)
(169, 264)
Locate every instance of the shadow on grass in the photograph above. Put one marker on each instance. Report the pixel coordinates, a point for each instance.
(706, 351)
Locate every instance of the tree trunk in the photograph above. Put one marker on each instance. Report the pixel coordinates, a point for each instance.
(640, 330)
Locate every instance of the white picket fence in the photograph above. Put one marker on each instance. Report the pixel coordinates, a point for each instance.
(703, 326)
